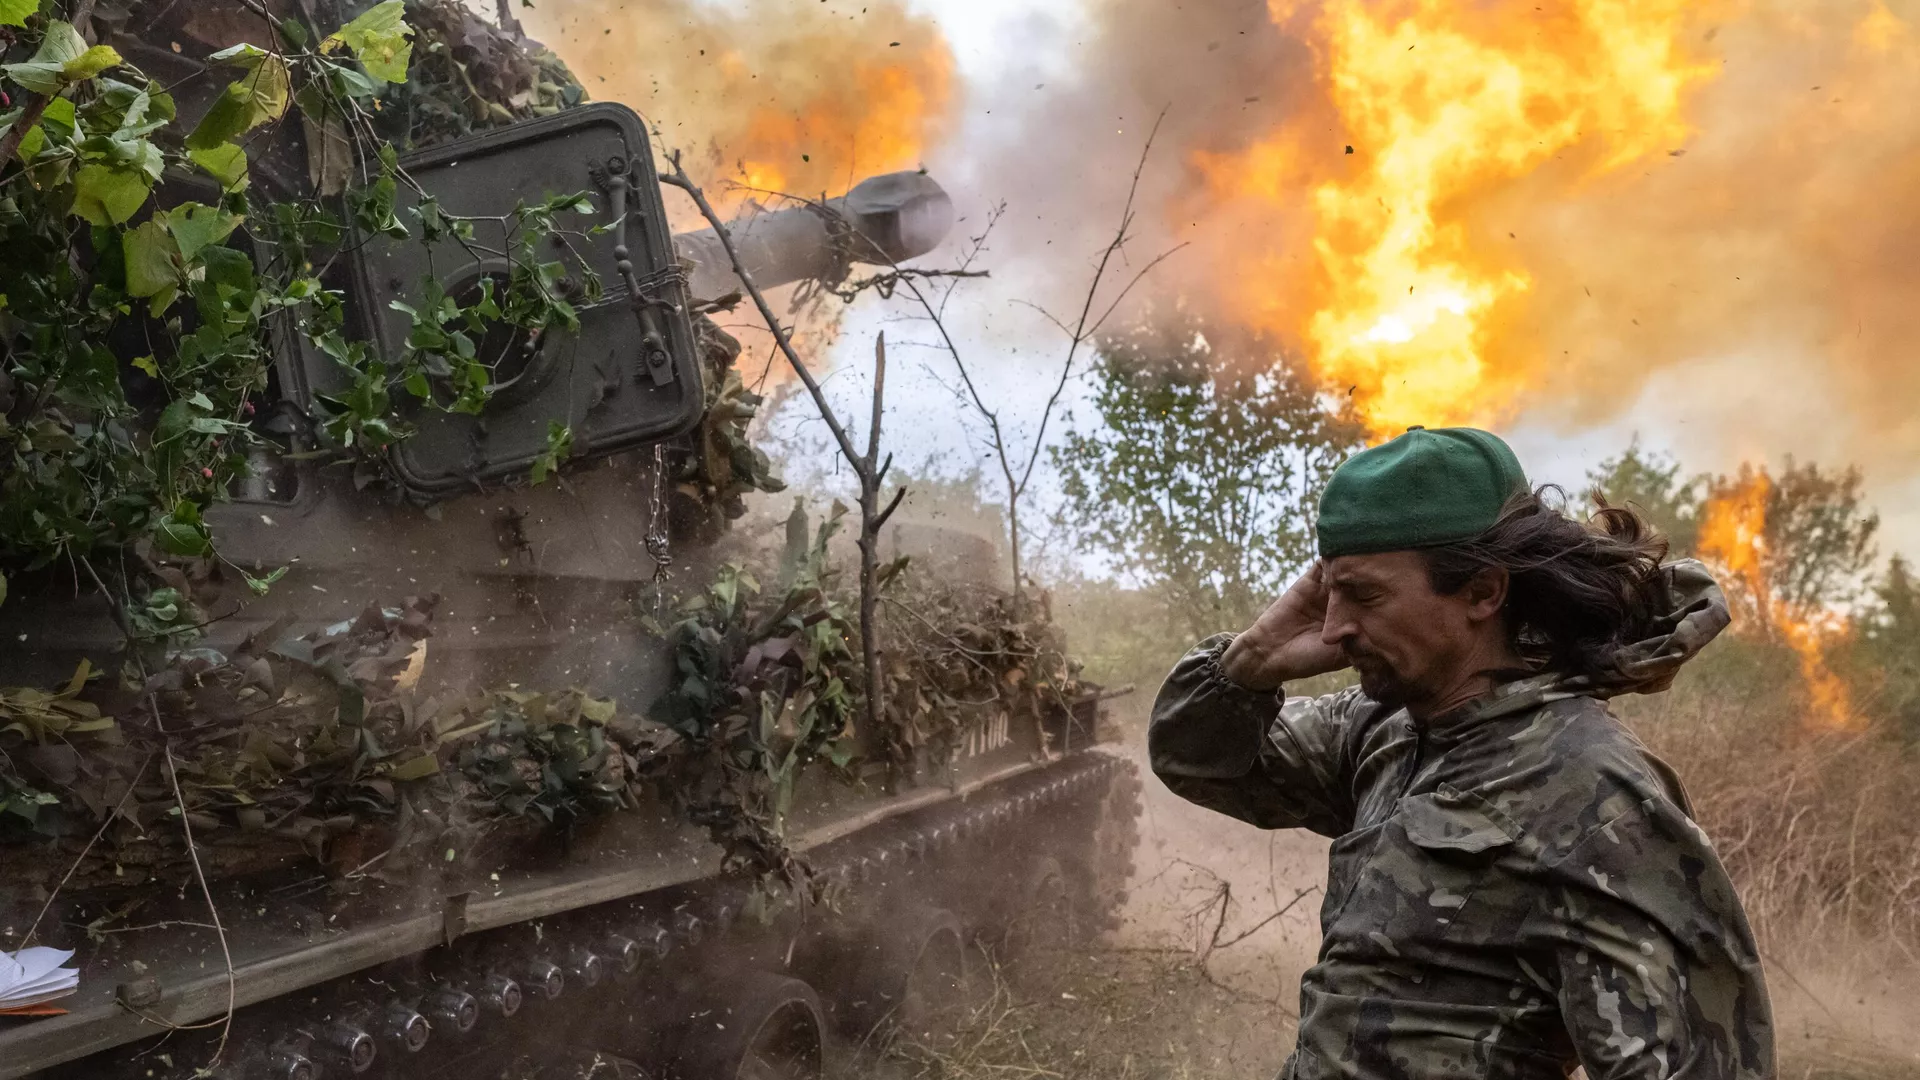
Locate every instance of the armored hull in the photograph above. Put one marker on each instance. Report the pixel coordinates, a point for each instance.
(619, 947)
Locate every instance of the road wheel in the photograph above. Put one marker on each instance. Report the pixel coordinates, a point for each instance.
(920, 986)
(755, 1026)
(901, 973)
(1043, 912)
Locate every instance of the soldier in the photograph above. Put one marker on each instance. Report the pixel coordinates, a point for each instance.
(1516, 885)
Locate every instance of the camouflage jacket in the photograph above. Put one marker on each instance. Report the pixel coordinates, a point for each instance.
(1515, 888)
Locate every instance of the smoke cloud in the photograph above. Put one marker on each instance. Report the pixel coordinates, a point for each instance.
(799, 98)
(1568, 216)
(1548, 211)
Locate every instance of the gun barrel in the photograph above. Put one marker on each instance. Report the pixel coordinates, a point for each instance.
(884, 219)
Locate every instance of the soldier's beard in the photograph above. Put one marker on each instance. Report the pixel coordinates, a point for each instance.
(1378, 680)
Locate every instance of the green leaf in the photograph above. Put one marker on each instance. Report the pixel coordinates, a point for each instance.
(379, 37)
(348, 83)
(416, 769)
(226, 163)
(58, 116)
(34, 141)
(229, 117)
(382, 18)
(258, 97)
(841, 752)
(62, 60)
(559, 448)
(15, 12)
(196, 227)
(243, 55)
(90, 63)
(151, 269)
(226, 267)
(260, 585)
(181, 532)
(105, 195)
(46, 72)
(60, 113)
(148, 365)
(3, 590)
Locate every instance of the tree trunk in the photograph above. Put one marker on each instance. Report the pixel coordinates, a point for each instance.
(1013, 542)
(871, 520)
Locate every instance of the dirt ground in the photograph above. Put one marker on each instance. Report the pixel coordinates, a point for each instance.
(1200, 981)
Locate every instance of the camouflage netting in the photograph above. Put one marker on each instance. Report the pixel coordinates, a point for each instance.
(722, 466)
(320, 748)
(467, 75)
(330, 750)
(967, 660)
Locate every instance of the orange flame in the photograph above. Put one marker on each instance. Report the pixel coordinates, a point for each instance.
(1446, 106)
(874, 113)
(799, 99)
(1733, 536)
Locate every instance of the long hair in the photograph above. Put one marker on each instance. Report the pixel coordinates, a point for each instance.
(1577, 591)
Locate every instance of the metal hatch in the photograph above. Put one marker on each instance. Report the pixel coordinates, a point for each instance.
(628, 377)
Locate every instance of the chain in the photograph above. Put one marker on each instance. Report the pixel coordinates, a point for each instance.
(648, 288)
(656, 539)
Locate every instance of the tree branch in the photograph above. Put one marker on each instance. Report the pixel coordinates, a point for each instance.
(867, 467)
(118, 809)
(206, 893)
(781, 338)
(880, 520)
(886, 283)
(1082, 331)
(507, 21)
(879, 391)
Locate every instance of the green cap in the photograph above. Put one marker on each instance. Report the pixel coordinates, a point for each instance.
(1423, 489)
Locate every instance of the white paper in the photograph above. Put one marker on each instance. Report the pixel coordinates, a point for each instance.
(35, 976)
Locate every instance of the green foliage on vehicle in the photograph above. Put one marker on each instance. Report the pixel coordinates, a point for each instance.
(100, 450)
(763, 684)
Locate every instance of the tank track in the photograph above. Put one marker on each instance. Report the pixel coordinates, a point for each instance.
(628, 987)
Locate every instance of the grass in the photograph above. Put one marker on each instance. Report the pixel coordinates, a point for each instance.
(1124, 1014)
(1817, 827)
(1114, 1014)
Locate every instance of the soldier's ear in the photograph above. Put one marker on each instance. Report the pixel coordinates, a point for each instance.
(1486, 593)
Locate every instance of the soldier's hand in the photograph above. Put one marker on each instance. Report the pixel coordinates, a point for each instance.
(1284, 644)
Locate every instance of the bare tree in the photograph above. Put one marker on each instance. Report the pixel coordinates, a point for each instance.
(868, 469)
(1017, 475)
